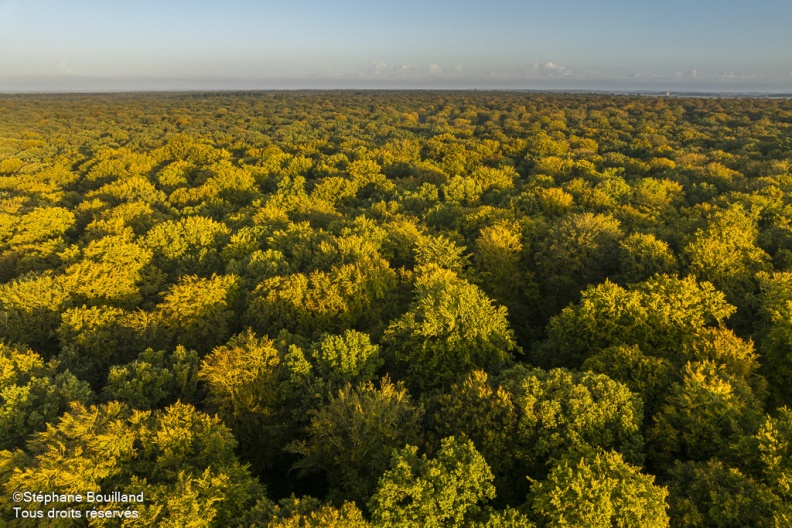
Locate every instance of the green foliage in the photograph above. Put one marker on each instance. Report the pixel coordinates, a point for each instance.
(579, 250)
(704, 415)
(182, 460)
(305, 513)
(113, 270)
(774, 447)
(427, 237)
(154, 378)
(190, 246)
(775, 333)
(347, 358)
(599, 489)
(242, 382)
(32, 394)
(726, 254)
(30, 310)
(198, 313)
(647, 376)
(657, 315)
(451, 329)
(93, 339)
(565, 413)
(323, 302)
(643, 255)
(433, 492)
(713, 494)
(351, 438)
(485, 413)
(40, 224)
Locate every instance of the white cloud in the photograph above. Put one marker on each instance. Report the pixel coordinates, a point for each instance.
(407, 68)
(64, 69)
(548, 69)
(458, 68)
(434, 69)
(376, 68)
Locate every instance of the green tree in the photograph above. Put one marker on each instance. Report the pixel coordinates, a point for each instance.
(577, 251)
(774, 333)
(93, 339)
(243, 380)
(481, 410)
(774, 447)
(305, 512)
(113, 271)
(30, 310)
(154, 378)
(561, 413)
(350, 295)
(198, 313)
(647, 376)
(189, 246)
(33, 394)
(182, 460)
(351, 438)
(726, 254)
(451, 329)
(658, 316)
(596, 490)
(643, 255)
(713, 494)
(704, 415)
(433, 492)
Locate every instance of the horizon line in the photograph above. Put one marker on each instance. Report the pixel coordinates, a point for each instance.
(571, 91)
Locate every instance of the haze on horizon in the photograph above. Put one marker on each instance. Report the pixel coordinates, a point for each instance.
(110, 45)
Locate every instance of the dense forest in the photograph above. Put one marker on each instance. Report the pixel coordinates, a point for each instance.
(398, 309)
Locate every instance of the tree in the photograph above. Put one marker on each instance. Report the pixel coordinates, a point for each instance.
(339, 360)
(643, 255)
(181, 459)
(433, 492)
(32, 394)
(578, 250)
(188, 246)
(599, 490)
(153, 378)
(714, 494)
(647, 376)
(775, 333)
(305, 512)
(93, 339)
(351, 438)
(30, 310)
(774, 447)
(243, 380)
(481, 410)
(198, 313)
(562, 413)
(451, 329)
(113, 271)
(658, 316)
(502, 274)
(349, 295)
(704, 415)
(726, 254)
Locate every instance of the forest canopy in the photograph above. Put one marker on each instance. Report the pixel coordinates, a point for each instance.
(396, 309)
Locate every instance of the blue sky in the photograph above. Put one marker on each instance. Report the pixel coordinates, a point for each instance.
(57, 45)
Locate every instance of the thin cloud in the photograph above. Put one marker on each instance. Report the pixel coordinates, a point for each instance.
(64, 69)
